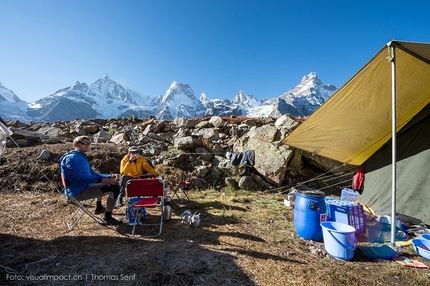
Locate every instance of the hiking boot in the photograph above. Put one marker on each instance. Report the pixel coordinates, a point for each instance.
(111, 221)
(99, 210)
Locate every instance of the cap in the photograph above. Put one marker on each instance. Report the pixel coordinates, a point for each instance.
(133, 149)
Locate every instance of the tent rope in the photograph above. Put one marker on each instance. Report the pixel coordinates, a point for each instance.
(335, 184)
(323, 175)
(31, 162)
(315, 178)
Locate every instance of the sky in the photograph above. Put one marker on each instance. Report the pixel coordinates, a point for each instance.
(219, 47)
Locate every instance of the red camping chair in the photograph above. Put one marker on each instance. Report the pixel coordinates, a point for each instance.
(184, 187)
(81, 207)
(152, 192)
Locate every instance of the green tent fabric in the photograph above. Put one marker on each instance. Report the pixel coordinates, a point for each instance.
(356, 123)
(413, 172)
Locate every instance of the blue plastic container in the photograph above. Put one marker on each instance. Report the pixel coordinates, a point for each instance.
(309, 212)
(339, 239)
(425, 236)
(422, 247)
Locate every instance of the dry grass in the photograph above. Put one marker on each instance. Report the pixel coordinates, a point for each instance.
(244, 239)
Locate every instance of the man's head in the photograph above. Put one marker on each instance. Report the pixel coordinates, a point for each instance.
(134, 150)
(82, 143)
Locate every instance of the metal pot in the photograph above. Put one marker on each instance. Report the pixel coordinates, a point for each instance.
(195, 220)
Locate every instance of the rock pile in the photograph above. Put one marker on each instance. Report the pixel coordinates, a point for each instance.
(196, 146)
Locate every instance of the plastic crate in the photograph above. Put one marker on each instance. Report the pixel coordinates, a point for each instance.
(349, 195)
(347, 213)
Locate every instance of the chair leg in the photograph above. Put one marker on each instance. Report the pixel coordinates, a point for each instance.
(152, 224)
(186, 190)
(175, 193)
(82, 208)
(185, 195)
(135, 222)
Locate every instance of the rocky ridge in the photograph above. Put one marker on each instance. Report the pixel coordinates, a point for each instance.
(192, 149)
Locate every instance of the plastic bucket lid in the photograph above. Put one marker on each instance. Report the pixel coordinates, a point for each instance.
(315, 193)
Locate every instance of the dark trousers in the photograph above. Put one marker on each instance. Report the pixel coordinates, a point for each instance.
(99, 190)
(123, 183)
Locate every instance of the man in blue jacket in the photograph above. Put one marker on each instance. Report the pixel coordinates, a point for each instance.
(84, 183)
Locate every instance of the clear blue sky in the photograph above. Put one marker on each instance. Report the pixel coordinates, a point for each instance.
(216, 46)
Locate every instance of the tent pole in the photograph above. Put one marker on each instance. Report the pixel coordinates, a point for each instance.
(394, 147)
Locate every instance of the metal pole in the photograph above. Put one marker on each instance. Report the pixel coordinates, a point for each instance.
(394, 147)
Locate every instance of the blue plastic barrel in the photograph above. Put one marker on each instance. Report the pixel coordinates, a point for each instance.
(309, 212)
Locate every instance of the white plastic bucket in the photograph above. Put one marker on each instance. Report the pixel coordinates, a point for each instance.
(339, 239)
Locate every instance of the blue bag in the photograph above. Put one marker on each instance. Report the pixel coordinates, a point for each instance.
(141, 214)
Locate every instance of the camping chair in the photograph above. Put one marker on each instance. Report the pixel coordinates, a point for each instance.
(81, 207)
(184, 187)
(151, 191)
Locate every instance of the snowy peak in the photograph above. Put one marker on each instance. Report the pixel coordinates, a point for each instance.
(181, 92)
(307, 96)
(7, 95)
(11, 106)
(203, 98)
(308, 84)
(180, 101)
(110, 90)
(311, 77)
(311, 86)
(244, 99)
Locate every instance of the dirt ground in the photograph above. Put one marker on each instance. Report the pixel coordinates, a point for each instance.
(244, 238)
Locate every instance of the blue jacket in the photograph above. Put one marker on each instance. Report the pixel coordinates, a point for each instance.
(78, 172)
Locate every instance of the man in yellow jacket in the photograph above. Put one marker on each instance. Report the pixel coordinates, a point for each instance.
(132, 167)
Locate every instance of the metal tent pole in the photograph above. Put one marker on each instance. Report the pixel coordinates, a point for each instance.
(393, 141)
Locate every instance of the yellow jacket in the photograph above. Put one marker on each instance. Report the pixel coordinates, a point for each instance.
(135, 169)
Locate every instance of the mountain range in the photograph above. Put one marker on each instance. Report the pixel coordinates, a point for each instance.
(108, 98)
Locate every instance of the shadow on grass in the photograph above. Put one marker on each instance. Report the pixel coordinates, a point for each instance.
(181, 255)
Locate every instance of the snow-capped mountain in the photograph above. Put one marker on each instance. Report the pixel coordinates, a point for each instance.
(179, 101)
(11, 106)
(307, 96)
(7, 95)
(104, 98)
(108, 98)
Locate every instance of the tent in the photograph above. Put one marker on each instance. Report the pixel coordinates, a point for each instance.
(357, 120)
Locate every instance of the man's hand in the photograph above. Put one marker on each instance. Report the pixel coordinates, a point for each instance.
(108, 181)
(133, 157)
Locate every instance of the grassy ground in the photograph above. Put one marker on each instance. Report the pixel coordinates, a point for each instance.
(245, 238)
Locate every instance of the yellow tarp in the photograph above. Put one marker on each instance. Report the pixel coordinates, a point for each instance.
(356, 121)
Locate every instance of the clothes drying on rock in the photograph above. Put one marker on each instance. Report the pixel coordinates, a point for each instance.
(245, 160)
(242, 158)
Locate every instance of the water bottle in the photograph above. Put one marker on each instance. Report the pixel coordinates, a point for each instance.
(167, 208)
